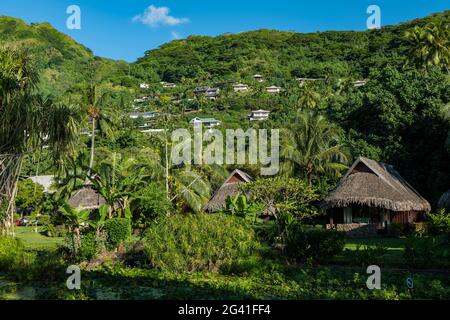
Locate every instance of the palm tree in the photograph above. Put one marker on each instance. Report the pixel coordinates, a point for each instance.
(74, 219)
(309, 98)
(312, 148)
(101, 117)
(117, 179)
(429, 45)
(27, 122)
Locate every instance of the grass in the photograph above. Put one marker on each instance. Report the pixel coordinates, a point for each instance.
(35, 241)
(393, 256)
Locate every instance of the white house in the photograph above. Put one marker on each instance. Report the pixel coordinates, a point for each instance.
(152, 131)
(359, 83)
(304, 80)
(212, 93)
(45, 181)
(207, 122)
(144, 115)
(273, 89)
(258, 78)
(144, 86)
(168, 85)
(259, 115)
(240, 87)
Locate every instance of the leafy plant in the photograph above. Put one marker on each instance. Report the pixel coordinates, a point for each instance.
(239, 206)
(199, 243)
(117, 231)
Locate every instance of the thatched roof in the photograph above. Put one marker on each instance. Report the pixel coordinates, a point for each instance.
(444, 201)
(230, 188)
(86, 198)
(375, 184)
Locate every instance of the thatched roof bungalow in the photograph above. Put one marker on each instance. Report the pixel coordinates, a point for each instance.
(373, 192)
(86, 198)
(230, 188)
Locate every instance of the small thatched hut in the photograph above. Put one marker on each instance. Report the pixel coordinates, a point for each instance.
(372, 193)
(86, 198)
(444, 201)
(230, 188)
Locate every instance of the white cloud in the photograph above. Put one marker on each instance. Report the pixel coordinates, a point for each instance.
(175, 35)
(156, 16)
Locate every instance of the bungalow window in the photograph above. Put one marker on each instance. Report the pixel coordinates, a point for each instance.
(363, 214)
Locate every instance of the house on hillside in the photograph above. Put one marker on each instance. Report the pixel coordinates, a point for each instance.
(201, 90)
(168, 85)
(259, 115)
(207, 122)
(44, 181)
(212, 93)
(229, 188)
(273, 89)
(359, 83)
(143, 115)
(258, 78)
(370, 197)
(303, 81)
(240, 87)
(144, 86)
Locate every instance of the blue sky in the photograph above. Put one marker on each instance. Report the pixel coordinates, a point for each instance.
(122, 29)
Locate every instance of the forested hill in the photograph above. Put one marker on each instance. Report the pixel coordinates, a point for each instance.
(279, 55)
(64, 62)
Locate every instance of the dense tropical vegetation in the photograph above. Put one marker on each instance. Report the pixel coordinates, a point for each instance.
(65, 113)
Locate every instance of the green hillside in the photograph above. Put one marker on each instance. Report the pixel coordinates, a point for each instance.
(280, 55)
(64, 63)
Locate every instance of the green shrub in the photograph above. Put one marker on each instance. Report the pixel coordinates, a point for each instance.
(317, 244)
(439, 223)
(199, 243)
(13, 254)
(401, 229)
(88, 246)
(365, 256)
(44, 220)
(420, 252)
(117, 231)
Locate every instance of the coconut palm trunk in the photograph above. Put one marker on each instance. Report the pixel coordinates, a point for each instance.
(91, 160)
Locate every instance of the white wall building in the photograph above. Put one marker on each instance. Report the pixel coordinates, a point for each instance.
(240, 87)
(273, 89)
(207, 122)
(259, 115)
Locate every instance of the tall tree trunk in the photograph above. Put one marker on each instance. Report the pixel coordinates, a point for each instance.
(91, 161)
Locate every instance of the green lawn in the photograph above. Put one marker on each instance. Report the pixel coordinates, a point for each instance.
(393, 256)
(392, 244)
(36, 241)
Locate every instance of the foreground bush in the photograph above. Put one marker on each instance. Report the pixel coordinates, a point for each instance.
(427, 252)
(117, 230)
(29, 266)
(317, 244)
(199, 243)
(12, 254)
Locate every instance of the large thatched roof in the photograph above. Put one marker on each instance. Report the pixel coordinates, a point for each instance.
(229, 188)
(86, 198)
(444, 201)
(375, 184)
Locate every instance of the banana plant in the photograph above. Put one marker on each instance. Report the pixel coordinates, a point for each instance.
(74, 219)
(239, 206)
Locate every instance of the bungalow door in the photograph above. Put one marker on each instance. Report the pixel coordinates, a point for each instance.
(348, 215)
